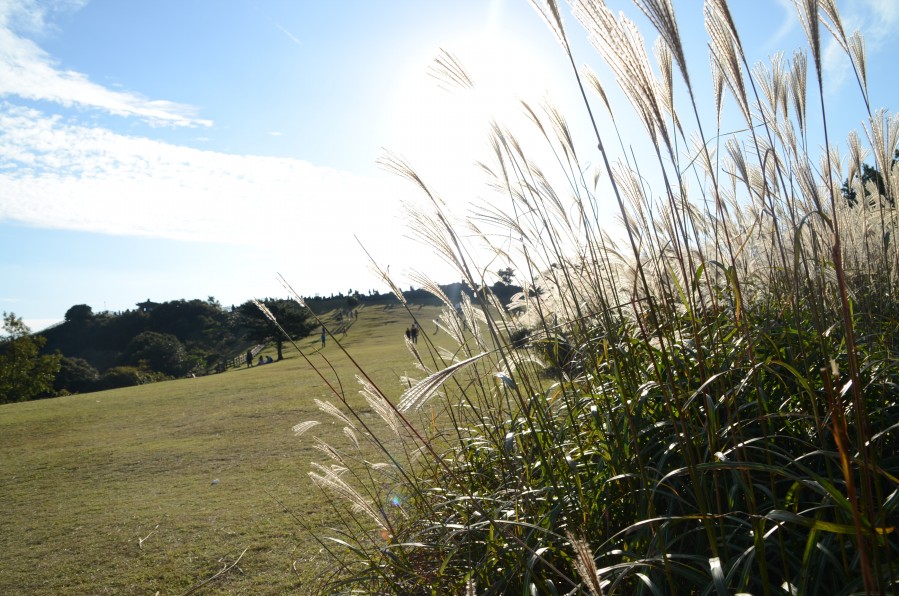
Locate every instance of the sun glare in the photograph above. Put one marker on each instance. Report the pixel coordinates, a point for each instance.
(442, 127)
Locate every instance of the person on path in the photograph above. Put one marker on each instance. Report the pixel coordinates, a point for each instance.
(249, 358)
(415, 333)
(323, 336)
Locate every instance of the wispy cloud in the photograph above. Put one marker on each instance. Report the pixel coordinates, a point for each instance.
(28, 72)
(290, 35)
(878, 19)
(788, 23)
(57, 174)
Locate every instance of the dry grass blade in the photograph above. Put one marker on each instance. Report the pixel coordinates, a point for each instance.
(449, 70)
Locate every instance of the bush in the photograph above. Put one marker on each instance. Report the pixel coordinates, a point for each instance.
(161, 352)
(76, 375)
(127, 376)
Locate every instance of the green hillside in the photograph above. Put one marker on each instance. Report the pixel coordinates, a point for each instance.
(156, 488)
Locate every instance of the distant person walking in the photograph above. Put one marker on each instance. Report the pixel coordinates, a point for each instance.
(323, 336)
(415, 333)
(249, 358)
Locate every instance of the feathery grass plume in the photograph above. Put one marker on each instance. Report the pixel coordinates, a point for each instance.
(418, 395)
(807, 10)
(593, 79)
(262, 307)
(549, 12)
(302, 427)
(726, 51)
(585, 564)
(351, 435)
(772, 81)
(856, 50)
(666, 87)
(620, 42)
(450, 72)
(717, 86)
(329, 478)
(323, 447)
(830, 17)
(798, 79)
(378, 402)
(332, 410)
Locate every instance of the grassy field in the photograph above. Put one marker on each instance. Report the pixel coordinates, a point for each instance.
(154, 489)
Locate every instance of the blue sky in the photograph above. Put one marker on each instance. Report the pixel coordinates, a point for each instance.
(173, 149)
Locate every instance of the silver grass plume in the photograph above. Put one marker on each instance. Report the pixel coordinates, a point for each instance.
(329, 479)
(857, 54)
(717, 85)
(384, 275)
(661, 14)
(584, 563)
(807, 11)
(666, 87)
(302, 427)
(332, 410)
(549, 11)
(773, 84)
(377, 401)
(320, 445)
(798, 82)
(619, 41)
(418, 395)
(727, 51)
(450, 72)
(590, 75)
(351, 435)
(830, 17)
(883, 135)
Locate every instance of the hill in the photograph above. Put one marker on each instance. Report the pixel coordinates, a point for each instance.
(159, 487)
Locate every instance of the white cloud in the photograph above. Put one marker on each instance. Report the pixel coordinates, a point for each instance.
(28, 72)
(788, 23)
(59, 175)
(876, 19)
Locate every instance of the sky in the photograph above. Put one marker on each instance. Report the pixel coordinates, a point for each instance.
(168, 149)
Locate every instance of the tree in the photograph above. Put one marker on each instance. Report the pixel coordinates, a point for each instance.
(873, 176)
(79, 312)
(259, 328)
(24, 372)
(160, 352)
(76, 375)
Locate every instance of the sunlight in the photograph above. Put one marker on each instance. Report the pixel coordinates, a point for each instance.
(441, 127)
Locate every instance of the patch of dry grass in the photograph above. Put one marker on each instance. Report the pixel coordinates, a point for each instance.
(156, 488)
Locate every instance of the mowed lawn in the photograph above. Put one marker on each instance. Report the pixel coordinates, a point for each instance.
(157, 488)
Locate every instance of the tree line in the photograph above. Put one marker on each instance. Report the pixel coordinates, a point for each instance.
(91, 351)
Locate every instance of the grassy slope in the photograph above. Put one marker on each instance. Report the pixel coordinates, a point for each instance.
(83, 478)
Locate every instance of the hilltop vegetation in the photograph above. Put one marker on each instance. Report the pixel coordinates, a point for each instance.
(91, 351)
